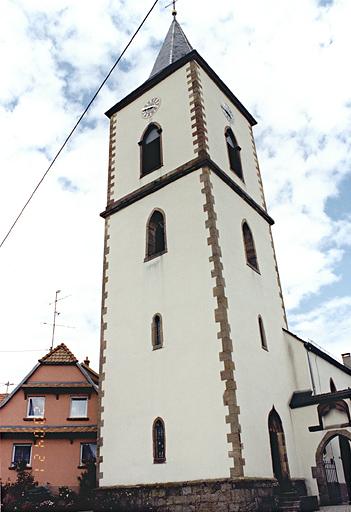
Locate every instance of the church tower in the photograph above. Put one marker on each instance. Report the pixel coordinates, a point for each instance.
(193, 360)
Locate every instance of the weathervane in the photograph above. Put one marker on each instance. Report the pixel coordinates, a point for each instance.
(174, 12)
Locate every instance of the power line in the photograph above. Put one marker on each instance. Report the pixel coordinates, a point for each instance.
(29, 350)
(77, 123)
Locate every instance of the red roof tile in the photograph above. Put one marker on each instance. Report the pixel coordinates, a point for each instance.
(59, 355)
(3, 396)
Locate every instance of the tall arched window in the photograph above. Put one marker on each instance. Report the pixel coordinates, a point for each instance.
(234, 153)
(150, 149)
(249, 245)
(262, 333)
(332, 386)
(155, 235)
(159, 441)
(157, 332)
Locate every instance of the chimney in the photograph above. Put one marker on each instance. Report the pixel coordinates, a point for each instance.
(346, 359)
(87, 362)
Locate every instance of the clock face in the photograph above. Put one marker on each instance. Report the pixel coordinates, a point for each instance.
(150, 107)
(227, 112)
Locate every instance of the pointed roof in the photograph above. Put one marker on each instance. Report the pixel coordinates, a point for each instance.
(175, 46)
(59, 355)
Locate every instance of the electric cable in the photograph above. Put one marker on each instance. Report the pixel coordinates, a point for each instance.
(77, 123)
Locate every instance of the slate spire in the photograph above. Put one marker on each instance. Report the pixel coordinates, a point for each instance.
(174, 47)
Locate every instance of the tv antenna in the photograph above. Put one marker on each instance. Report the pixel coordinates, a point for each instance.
(56, 314)
(7, 384)
(174, 12)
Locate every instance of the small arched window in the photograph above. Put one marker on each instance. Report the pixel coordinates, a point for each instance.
(150, 149)
(234, 153)
(155, 235)
(332, 386)
(262, 334)
(249, 244)
(159, 441)
(157, 332)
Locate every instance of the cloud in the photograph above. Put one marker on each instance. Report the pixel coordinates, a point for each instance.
(328, 325)
(285, 62)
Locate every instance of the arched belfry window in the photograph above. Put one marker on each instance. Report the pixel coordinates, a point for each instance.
(157, 332)
(234, 153)
(262, 333)
(151, 149)
(156, 235)
(249, 245)
(159, 441)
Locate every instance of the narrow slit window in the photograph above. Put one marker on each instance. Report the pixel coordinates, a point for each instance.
(262, 334)
(150, 146)
(156, 235)
(157, 332)
(249, 245)
(234, 154)
(159, 441)
(332, 386)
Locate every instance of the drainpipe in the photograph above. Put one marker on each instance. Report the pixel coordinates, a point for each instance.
(310, 368)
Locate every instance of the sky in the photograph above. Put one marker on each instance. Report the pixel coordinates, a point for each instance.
(287, 62)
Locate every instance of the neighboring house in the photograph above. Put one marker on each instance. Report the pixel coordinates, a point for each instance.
(50, 421)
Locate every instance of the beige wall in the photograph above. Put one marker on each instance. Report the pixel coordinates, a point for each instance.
(174, 112)
(216, 125)
(307, 442)
(264, 379)
(180, 382)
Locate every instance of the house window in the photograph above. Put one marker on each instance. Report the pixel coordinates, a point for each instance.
(234, 153)
(262, 334)
(159, 441)
(157, 332)
(79, 407)
(156, 235)
(36, 406)
(249, 244)
(21, 453)
(150, 148)
(87, 453)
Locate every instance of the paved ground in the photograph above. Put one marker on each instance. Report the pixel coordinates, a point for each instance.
(339, 508)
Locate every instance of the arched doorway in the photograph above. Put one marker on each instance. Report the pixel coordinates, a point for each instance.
(333, 458)
(278, 450)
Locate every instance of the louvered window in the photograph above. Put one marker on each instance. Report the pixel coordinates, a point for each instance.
(151, 157)
(234, 153)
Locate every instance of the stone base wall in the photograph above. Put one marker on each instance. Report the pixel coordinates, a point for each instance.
(223, 495)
